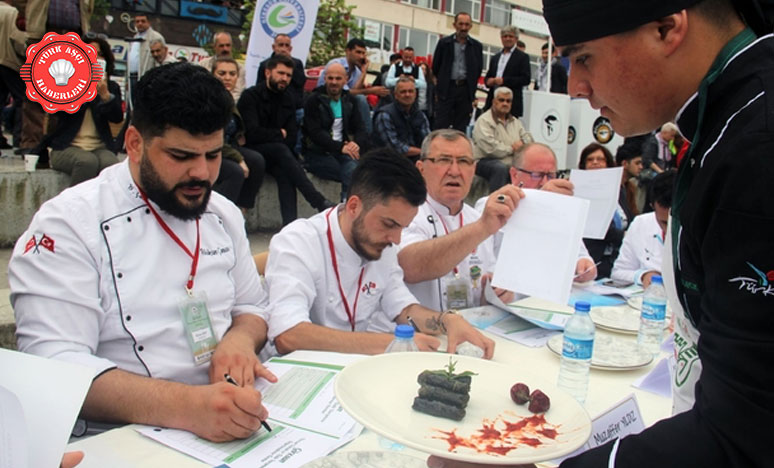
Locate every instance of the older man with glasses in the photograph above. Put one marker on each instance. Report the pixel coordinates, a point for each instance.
(447, 252)
(497, 136)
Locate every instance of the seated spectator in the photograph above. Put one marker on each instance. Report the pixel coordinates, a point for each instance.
(497, 136)
(604, 251)
(534, 167)
(643, 245)
(355, 62)
(400, 125)
(82, 142)
(657, 155)
(334, 135)
(334, 278)
(160, 53)
(222, 45)
(269, 114)
(242, 169)
(405, 67)
(629, 156)
(114, 274)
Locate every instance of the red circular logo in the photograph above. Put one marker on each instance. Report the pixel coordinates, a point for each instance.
(61, 72)
(770, 275)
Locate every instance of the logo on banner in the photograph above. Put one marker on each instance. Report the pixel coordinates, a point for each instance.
(603, 131)
(61, 72)
(551, 126)
(282, 17)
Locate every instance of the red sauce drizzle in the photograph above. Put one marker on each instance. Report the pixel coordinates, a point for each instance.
(500, 436)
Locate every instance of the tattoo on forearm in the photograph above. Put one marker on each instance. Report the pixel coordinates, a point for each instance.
(433, 323)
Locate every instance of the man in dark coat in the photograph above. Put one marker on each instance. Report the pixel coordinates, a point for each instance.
(457, 65)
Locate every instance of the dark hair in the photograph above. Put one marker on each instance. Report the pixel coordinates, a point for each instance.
(628, 151)
(104, 50)
(272, 63)
(395, 56)
(183, 96)
(592, 148)
(462, 13)
(220, 60)
(520, 43)
(544, 46)
(661, 187)
(382, 174)
(408, 48)
(355, 43)
(139, 13)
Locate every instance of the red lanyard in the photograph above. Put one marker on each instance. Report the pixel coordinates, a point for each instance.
(446, 230)
(194, 256)
(350, 314)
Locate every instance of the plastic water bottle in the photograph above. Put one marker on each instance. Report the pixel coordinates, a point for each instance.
(577, 347)
(653, 316)
(404, 340)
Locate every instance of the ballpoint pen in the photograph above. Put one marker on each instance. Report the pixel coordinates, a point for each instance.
(230, 380)
(411, 322)
(587, 270)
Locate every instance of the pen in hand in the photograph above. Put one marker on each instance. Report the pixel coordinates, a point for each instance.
(230, 380)
(586, 270)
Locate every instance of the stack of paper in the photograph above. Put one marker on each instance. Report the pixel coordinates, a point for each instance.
(306, 419)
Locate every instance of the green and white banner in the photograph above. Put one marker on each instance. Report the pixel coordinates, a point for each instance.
(296, 18)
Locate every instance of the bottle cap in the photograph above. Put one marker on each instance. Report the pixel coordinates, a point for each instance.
(404, 331)
(656, 279)
(582, 306)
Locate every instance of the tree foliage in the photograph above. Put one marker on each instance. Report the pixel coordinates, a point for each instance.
(334, 25)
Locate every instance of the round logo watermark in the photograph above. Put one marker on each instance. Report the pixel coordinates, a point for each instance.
(603, 131)
(551, 126)
(61, 72)
(282, 17)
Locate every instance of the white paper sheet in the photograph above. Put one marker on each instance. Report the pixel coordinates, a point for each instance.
(657, 381)
(520, 331)
(51, 394)
(306, 419)
(540, 246)
(13, 431)
(600, 187)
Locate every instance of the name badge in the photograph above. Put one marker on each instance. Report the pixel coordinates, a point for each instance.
(198, 326)
(457, 294)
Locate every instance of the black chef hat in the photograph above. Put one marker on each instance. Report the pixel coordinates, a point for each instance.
(575, 21)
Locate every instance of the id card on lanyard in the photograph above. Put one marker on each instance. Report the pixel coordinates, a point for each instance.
(192, 306)
(457, 290)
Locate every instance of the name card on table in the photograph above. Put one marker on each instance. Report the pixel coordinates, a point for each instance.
(622, 419)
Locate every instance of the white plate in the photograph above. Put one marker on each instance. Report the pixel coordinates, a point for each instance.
(378, 393)
(618, 319)
(610, 352)
(368, 460)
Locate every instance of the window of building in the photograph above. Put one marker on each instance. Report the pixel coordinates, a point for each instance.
(423, 42)
(472, 7)
(497, 13)
(431, 4)
(377, 35)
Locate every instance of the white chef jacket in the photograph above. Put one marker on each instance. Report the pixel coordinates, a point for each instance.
(432, 220)
(497, 238)
(303, 286)
(105, 294)
(642, 250)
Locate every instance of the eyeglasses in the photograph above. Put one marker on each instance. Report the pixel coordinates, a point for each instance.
(93, 35)
(535, 175)
(448, 161)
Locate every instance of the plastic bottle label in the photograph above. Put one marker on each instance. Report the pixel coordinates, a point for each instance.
(577, 349)
(652, 311)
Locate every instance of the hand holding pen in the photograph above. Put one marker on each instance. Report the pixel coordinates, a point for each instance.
(230, 380)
